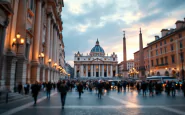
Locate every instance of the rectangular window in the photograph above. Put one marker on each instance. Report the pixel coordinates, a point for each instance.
(152, 62)
(180, 44)
(151, 53)
(161, 50)
(156, 52)
(166, 60)
(165, 49)
(162, 61)
(164, 41)
(157, 61)
(151, 47)
(161, 43)
(182, 56)
(172, 47)
(173, 58)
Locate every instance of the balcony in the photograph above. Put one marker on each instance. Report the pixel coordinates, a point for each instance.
(164, 64)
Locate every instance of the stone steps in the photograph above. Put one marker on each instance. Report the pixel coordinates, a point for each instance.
(12, 97)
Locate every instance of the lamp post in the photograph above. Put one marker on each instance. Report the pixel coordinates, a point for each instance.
(17, 41)
(182, 60)
(41, 57)
(49, 62)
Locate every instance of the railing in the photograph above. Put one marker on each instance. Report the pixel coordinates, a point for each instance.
(164, 64)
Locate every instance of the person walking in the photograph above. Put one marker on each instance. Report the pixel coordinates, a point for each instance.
(173, 88)
(48, 89)
(35, 90)
(80, 89)
(144, 87)
(100, 88)
(20, 88)
(63, 92)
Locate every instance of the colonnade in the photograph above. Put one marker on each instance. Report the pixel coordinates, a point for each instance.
(95, 70)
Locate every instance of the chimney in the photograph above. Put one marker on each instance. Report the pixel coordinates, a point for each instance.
(179, 24)
(156, 37)
(164, 32)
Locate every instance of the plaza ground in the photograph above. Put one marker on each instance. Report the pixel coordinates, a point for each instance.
(123, 103)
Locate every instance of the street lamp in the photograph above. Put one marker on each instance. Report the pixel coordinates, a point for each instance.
(55, 65)
(41, 57)
(182, 60)
(17, 41)
(49, 61)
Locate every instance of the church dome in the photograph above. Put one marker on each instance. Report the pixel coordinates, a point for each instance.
(97, 50)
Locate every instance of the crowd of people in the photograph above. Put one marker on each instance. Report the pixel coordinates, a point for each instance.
(63, 86)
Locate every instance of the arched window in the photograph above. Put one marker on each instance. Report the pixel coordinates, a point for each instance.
(166, 73)
(158, 73)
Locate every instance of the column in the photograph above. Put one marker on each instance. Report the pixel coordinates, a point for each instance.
(54, 42)
(116, 70)
(81, 70)
(47, 40)
(103, 70)
(86, 70)
(35, 67)
(51, 42)
(37, 31)
(47, 47)
(99, 70)
(107, 70)
(92, 70)
(111, 71)
(74, 71)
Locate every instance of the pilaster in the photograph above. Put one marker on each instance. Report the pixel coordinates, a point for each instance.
(35, 72)
(21, 70)
(86, 70)
(91, 70)
(102, 70)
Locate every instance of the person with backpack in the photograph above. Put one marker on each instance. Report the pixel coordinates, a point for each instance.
(35, 91)
(63, 92)
(80, 89)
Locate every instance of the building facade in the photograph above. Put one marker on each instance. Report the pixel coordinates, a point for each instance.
(96, 64)
(69, 70)
(32, 47)
(165, 55)
(130, 65)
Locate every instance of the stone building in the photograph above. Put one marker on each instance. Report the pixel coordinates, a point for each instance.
(130, 65)
(96, 64)
(69, 70)
(32, 47)
(165, 55)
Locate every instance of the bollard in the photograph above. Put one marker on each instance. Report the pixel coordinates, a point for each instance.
(6, 97)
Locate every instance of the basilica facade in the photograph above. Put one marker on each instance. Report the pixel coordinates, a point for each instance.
(96, 64)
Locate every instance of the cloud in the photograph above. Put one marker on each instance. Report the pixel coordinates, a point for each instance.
(87, 20)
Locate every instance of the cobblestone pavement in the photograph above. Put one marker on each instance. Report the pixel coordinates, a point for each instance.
(124, 103)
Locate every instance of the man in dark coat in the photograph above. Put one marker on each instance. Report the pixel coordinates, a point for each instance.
(63, 92)
(35, 90)
(80, 89)
(48, 89)
(100, 88)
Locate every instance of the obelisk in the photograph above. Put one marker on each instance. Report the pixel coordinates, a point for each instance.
(124, 57)
(141, 57)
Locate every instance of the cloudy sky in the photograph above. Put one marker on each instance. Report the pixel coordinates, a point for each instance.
(87, 20)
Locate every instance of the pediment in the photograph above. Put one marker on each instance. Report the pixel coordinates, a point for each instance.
(97, 60)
